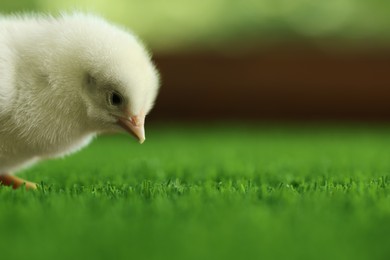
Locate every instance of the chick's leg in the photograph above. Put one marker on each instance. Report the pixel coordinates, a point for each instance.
(15, 182)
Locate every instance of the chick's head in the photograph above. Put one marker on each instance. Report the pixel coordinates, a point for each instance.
(117, 78)
(119, 98)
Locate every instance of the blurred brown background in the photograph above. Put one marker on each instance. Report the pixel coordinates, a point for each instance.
(257, 59)
(284, 82)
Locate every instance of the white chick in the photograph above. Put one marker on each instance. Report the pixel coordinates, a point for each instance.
(63, 80)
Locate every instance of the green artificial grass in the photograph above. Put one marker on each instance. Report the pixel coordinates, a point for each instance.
(209, 192)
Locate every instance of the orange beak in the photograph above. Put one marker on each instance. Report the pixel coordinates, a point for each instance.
(134, 125)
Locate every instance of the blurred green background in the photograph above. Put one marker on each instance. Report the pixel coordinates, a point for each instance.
(175, 24)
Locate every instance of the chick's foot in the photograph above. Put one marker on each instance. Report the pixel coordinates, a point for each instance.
(15, 182)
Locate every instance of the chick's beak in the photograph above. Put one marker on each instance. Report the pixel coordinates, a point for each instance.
(134, 125)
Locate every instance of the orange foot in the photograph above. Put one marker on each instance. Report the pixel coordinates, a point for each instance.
(15, 182)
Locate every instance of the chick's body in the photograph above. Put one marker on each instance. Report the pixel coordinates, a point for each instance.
(63, 81)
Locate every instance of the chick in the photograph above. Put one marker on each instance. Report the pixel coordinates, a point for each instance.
(64, 80)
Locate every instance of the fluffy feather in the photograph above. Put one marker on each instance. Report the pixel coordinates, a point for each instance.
(57, 79)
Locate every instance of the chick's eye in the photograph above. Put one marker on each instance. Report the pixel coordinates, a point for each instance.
(115, 99)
